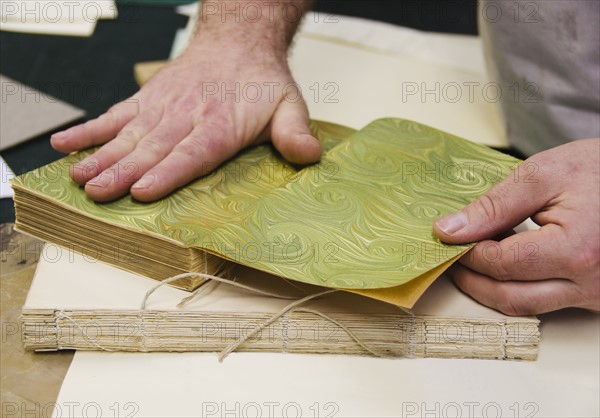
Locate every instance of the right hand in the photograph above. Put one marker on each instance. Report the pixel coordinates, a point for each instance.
(183, 123)
(534, 272)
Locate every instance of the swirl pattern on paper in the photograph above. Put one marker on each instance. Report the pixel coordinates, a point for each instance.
(359, 219)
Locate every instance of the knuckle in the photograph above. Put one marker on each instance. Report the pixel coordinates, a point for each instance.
(128, 135)
(186, 104)
(500, 270)
(509, 305)
(110, 118)
(153, 146)
(126, 106)
(102, 119)
(215, 117)
(491, 208)
(584, 262)
(206, 145)
(152, 114)
(573, 266)
(191, 148)
(113, 113)
(286, 135)
(114, 109)
(122, 111)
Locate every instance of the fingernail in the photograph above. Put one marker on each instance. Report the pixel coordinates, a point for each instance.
(103, 180)
(60, 136)
(90, 167)
(452, 223)
(144, 182)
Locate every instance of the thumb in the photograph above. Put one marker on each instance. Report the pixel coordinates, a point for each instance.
(290, 133)
(503, 207)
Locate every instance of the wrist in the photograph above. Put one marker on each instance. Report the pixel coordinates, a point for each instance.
(232, 59)
(248, 27)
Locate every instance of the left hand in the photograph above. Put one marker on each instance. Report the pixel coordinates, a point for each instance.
(533, 272)
(173, 131)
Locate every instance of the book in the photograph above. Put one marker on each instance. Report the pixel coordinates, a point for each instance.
(143, 237)
(359, 220)
(76, 302)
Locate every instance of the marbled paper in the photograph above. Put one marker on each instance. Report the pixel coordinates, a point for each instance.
(359, 219)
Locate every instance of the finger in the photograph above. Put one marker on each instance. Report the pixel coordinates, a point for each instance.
(196, 155)
(149, 151)
(504, 206)
(290, 133)
(529, 255)
(515, 298)
(124, 143)
(96, 131)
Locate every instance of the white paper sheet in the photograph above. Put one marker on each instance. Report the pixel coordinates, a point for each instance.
(452, 50)
(55, 17)
(188, 9)
(79, 28)
(27, 112)
(563, 382)
(6, 174)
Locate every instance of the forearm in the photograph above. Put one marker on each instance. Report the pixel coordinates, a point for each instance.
(249, 26)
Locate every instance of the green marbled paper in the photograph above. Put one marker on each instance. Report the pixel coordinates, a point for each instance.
(359, 219)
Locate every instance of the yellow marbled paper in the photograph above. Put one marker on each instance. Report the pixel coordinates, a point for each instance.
(360, 219)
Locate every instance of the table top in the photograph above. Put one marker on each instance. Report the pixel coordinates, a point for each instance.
(33, 380)
(29, 380)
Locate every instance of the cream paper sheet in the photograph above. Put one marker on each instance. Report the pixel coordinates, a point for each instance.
(351, 85)
(437, 79)
(563, 382)
(352, 71)
(70, 281)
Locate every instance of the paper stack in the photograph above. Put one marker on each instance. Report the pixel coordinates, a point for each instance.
(80, 303)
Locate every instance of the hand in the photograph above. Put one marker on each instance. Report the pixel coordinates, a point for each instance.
(198, 111)
(533, 272)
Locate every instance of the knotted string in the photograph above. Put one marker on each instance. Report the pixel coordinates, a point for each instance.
(232, 347)
(292, 307)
